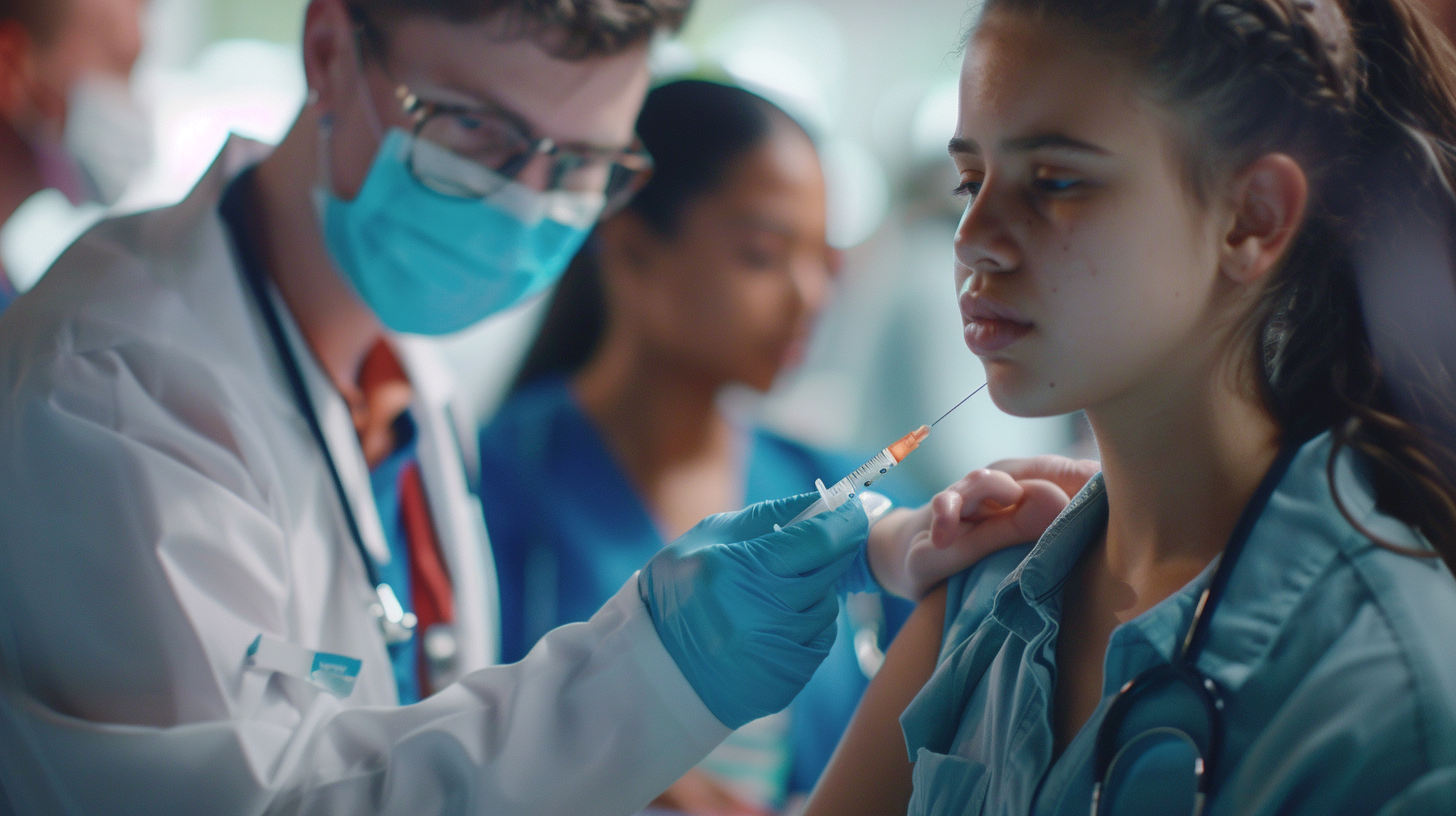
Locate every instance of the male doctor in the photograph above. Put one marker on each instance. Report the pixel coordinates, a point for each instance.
(236, 527)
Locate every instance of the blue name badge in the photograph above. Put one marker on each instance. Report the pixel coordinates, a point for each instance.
(333, 673)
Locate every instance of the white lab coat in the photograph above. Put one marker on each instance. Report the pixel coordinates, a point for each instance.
(162, 503)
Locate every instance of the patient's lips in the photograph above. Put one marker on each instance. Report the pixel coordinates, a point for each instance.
(991, 326)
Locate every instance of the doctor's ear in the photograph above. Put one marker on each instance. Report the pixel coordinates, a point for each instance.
(1268, 200)
(330, 58)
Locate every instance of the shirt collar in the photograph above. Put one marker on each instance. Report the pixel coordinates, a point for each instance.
(1297, 537)
(1296, 541)
(1029, 598)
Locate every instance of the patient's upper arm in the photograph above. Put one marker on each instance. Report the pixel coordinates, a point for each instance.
(870, 771)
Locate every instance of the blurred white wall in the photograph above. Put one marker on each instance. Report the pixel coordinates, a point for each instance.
(875, 83)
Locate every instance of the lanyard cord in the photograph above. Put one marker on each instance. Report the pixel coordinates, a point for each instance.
(1198, 633)
(235, 214)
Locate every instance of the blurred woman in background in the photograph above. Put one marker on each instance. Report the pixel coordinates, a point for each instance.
(614, 441)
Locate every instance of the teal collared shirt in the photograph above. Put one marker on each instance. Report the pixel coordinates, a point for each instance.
(1336, 659)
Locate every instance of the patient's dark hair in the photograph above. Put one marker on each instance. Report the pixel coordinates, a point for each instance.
(694, 130)
(571, 28)
(1362, 93)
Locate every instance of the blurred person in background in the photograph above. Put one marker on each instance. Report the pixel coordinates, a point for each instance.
(616, 440)
(70, 133)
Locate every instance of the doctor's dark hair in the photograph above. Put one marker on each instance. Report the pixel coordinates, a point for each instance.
(1362, 94)
(574, 29)
(695, 130)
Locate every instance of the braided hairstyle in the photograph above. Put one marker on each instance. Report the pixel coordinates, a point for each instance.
(1362, 93)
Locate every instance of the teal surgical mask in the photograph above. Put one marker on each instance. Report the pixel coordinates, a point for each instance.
(432, 263)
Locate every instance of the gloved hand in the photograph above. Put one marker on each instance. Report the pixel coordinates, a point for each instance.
(747, 613)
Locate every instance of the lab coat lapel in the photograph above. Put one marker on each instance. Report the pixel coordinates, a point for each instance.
(343, 440)
(453, 507)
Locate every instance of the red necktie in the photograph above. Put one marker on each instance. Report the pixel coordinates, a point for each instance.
(434, 602)
(381, 379)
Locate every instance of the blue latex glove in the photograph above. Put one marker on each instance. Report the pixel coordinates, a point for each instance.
(749, 613)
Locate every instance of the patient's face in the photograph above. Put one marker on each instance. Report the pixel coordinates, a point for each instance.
(733, 294)
(1086, 269)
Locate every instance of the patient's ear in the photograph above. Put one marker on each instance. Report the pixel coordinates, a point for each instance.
(1268, 200)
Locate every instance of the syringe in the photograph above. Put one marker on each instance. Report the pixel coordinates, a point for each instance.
(832, 498)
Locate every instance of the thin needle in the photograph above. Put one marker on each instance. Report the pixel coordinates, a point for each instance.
(959, 404)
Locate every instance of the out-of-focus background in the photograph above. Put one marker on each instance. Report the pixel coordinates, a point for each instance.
(875, 83)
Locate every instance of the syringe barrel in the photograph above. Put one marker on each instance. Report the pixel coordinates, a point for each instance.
(867, 474)
(850, 486)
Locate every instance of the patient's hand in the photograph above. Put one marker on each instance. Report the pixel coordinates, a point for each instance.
(1011, 502)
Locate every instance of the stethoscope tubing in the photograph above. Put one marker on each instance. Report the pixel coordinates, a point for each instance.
(1185, 662)
(236, 217)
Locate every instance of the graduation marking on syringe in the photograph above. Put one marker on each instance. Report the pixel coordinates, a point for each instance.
(831, 498)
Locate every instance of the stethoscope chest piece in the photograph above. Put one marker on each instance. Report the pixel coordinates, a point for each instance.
(397, 625)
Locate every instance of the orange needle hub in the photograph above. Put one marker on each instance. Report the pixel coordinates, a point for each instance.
(908, 443)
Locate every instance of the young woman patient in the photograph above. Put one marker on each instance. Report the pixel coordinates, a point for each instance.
(1172, 209)
(614, 442)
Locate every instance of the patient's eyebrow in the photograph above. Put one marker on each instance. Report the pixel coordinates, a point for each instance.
(963, 146)
(1054, 140)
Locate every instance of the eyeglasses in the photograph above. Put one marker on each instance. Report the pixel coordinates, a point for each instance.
(495, 140)
(1158, 745)
(474, 150)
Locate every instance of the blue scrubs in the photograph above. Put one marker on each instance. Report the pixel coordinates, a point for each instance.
(1335, 659)
(568, 530)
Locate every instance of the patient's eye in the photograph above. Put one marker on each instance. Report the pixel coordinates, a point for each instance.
(1054, 181)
